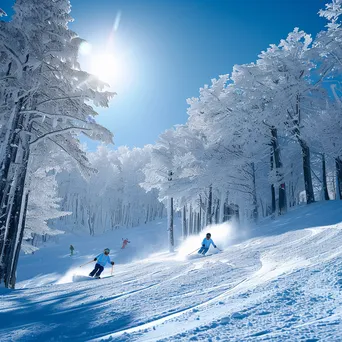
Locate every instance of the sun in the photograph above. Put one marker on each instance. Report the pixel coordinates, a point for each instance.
(105, 66)
(112, 66)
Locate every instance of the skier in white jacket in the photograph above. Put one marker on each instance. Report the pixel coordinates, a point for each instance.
(207, 241)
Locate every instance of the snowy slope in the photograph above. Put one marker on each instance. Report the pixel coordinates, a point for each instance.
(49, 265)
(281, 283)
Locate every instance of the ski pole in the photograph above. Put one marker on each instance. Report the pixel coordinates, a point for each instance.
(194, 251)
(87, 263)
(111, 273)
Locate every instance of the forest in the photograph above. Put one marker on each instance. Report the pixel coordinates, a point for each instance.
(259, 140)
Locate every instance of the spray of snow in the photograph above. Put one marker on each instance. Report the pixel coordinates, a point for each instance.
(68, 276)
(223, 235)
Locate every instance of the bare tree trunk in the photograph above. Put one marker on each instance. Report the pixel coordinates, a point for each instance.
(225, 212)
(280, 176)
(292, 189)
(170, 229)
(9, 173)
(226, 209)
(310, 197)
(221, 209)
(191, 221)
(209, 207)
(263, 212)
(200, 217)
(12, 275)
(324, 181)
(293, 195)
(237, 212)
(195, 222)
(338, 164)
(11, 240)
(254, 194)
(184, 229)
(10, 147)
(272, 187)
(217, 211)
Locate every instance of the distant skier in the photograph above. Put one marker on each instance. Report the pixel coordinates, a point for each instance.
(124, 243)
(207, 241)
(102, 259)
(72, 250)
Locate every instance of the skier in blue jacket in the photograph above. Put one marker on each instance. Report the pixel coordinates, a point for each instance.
(101, 261)
(207, 241)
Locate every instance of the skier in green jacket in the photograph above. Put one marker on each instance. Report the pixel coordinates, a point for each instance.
(72, 250)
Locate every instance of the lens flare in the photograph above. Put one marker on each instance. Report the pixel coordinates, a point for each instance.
(117, 21)
(85, 48)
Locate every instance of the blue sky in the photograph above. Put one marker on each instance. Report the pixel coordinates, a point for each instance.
(171, 48)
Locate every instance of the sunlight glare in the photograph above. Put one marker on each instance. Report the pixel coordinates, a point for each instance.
(107, 67)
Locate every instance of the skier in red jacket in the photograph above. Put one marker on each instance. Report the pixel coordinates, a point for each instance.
(124, 243)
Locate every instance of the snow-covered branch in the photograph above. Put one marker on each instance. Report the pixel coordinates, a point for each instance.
(57, 132)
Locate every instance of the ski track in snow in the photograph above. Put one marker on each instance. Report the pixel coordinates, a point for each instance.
(283, 284)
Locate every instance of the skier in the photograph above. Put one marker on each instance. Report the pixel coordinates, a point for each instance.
(72, 250)
(102, 259)
(207, 241)
(124, 243)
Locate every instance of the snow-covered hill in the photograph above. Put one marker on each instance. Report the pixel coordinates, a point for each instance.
(281, 281)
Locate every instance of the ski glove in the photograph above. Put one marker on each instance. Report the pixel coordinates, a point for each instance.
(95, 259)
(203, 245)
(112, 262)
(215, 246)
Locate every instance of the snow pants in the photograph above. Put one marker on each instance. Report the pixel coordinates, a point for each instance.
(203, 250)
(96, 271)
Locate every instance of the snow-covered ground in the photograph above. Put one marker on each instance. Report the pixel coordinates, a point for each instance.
(281, 281)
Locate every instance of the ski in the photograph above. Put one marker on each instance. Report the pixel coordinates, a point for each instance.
(110, 276)
(206, 255)
(78, 278)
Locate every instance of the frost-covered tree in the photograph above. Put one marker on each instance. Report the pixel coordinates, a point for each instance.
(255, 131)
(224, 109)
(328, 50)
(112, 197)
(43, 206)
(293, 92)
(46, 101)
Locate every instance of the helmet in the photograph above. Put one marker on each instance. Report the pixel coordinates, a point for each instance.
(208, 235)
(107, 250)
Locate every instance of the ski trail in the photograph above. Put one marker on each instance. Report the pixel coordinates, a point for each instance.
(126, 294)
(165, 318)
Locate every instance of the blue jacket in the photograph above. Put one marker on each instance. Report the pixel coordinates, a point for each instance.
(103, 259)
(207, 243)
